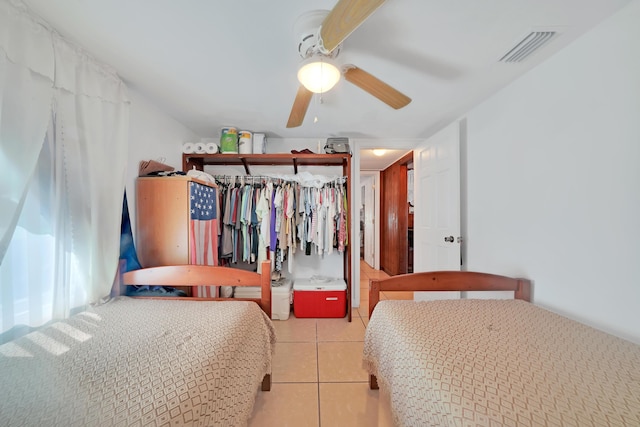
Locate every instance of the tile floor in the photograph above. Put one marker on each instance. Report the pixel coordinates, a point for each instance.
(318, 379)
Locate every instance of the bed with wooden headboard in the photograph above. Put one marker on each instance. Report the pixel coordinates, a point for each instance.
(486, 362)
(146, 361)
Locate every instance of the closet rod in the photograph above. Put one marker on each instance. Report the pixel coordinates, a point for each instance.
(258, 178)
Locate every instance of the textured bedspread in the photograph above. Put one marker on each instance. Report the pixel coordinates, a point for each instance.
(499, 363)
(139, 362)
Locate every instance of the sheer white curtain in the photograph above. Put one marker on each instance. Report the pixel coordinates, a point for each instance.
(92, 126)
(26, 88)
(64, 250)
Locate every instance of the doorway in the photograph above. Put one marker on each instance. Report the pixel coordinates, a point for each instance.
(397, 255)
(370, 210)
(373, 157)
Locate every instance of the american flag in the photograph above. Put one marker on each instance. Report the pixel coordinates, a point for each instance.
(203, 227)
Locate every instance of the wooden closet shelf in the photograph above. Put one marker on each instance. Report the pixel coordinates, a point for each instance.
(189, 161)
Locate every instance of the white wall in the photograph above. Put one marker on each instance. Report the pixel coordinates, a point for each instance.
(553, 179)
(152, 135)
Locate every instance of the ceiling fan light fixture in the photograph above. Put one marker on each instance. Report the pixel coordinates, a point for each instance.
(318, 75)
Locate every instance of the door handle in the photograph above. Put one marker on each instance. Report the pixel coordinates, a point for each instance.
(449, 239)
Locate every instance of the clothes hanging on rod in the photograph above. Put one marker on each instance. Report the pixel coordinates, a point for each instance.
(269, 213)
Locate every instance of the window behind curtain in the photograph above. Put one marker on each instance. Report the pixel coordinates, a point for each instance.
(39, 263)
(60, 214)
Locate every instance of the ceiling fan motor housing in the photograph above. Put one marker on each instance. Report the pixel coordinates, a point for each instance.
(307, 33)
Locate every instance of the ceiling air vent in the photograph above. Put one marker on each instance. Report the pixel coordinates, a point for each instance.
(532, 42)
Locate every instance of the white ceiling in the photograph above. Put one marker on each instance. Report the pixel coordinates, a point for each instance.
(221, 63)
(372, 162)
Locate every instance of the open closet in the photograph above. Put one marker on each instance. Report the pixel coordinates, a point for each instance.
(253, 167)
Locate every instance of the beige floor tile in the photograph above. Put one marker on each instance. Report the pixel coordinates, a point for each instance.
(377, 274)
(295, 330)
(286, 405)
(354, 313)
(329, 351)
(370, 274)
(341, 362)
(353, 405)
(339, 330)
(365, 266)
(365, 321)
(363, 311)
(295, 362)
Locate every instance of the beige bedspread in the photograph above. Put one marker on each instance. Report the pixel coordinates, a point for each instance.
(139, 362)
(499, 363)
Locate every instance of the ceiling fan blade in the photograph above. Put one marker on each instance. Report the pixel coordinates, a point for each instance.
(376, 87)
(346, 16)
(300, 105)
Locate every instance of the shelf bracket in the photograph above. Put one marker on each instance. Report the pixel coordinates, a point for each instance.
(295, 166)
(193, 163)
(246, 165)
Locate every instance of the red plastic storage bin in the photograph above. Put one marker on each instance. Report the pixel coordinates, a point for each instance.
(313, 298)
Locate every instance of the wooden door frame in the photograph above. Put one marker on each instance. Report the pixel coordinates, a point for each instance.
(402, 222)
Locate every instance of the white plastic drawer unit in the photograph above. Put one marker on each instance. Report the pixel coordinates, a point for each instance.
(281, 297)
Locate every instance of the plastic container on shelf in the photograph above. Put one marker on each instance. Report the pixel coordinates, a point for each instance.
(245, 142)
(259, 143)
(229, 140)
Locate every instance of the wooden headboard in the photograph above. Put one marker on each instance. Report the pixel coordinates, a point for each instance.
(448, 281)
(204, 275)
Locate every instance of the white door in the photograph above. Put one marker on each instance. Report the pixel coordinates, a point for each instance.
(369, 222)
(437, 205)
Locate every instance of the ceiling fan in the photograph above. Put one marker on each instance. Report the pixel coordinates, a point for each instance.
(321, 35)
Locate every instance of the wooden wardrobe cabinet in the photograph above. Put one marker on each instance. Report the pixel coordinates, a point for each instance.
(162, 220)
